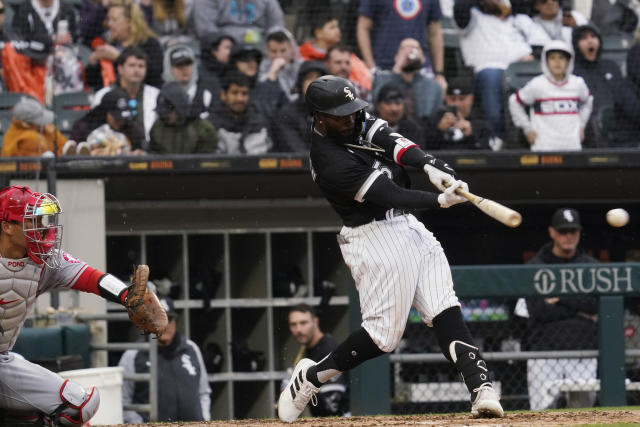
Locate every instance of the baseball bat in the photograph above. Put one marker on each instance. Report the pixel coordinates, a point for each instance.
(495, 210)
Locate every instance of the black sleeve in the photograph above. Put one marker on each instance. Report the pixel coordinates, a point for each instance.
(93, 76)
(385, 192)
(462, 12)
(154, 62)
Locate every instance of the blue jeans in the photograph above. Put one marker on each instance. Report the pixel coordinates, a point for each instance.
(488, 90)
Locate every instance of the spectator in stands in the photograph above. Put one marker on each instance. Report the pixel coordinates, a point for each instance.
(132, 67)
(247, 21)
(215, 54)
(93, 13)
(614, 16)
(183, 386)
(118, 133)
(304, 325)
(561, 323)
(491, 39)
(38, 20)
(327, 36)
(114, 116)
(390, 106)
(242, 128)
(32, 132)
(558, 23)
(560, 103)
(267, 95)
(455, 126)
(179, 66)
(127, 27)
(423, 92)
(176, 131)
(291, 130)
(339, 63)
(393, 23)
(282, 62)
(169, 18)
(609, 88)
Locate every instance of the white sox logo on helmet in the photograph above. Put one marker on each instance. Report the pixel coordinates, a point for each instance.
(348, 94)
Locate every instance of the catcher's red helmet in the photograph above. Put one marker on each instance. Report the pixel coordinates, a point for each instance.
(38, 214)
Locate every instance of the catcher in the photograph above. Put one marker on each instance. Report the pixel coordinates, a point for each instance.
(31, 263)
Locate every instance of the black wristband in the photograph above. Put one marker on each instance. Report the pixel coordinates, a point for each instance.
(439, 164)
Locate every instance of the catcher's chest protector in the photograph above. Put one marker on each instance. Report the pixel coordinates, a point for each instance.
(18, 290)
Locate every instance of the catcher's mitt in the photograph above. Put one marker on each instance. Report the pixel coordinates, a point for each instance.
(145, 310)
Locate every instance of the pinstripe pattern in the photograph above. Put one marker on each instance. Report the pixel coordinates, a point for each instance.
(396, 263)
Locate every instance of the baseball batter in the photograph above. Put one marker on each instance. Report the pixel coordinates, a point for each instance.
(31, 263)
(358, 163)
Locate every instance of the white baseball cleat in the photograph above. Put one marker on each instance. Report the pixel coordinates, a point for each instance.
(295, 397)
(487, 403)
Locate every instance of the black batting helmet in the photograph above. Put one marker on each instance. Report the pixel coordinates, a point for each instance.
(333, 95)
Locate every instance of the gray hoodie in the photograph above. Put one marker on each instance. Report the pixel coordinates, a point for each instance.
(288, 75)
(191, 88)
(245, 20)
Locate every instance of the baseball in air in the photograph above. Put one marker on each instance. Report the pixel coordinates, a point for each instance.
(617, 217)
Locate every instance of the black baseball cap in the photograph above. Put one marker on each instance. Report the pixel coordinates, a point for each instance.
(244, 52)
(116, 103)
(566, 219)
(333, 95)
(182, 55)
(459, 86)
(391, 92)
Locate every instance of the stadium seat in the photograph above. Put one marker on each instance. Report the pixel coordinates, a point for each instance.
(519, 73)
(68, 108)
(615, 47)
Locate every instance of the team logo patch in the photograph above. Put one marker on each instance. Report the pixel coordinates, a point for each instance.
(407, 9)
(567, 215)
(348, 94)
(70, 259)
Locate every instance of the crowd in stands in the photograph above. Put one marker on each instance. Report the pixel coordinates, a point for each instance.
(229, 76)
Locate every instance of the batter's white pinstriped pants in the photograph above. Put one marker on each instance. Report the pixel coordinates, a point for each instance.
(396, 263)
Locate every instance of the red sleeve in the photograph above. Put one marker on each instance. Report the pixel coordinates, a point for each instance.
(88, 281)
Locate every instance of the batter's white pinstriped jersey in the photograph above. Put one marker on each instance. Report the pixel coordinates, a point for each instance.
(379, 244)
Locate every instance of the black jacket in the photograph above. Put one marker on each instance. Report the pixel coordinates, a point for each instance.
(291, 128)
(435, 139)
(609, 87)
(179, 387)
(27, 24)
(559, 326)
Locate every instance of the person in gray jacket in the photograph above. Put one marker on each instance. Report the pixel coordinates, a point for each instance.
(180, 66)
(247, 21)
(183, 386)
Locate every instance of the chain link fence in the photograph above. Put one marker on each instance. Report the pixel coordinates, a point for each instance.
(534, 366)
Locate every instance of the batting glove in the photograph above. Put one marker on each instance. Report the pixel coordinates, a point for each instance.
(440, 173)
(449, 197)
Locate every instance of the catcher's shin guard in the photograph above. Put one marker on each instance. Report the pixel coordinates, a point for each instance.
(78, 405)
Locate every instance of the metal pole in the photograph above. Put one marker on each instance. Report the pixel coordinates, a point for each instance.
(611, 343)
(153, 380)
(52, 178)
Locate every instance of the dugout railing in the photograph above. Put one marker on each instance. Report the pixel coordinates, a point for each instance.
(150, 345)
(373, 390)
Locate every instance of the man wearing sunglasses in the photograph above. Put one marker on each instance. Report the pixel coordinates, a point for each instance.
(565, 323)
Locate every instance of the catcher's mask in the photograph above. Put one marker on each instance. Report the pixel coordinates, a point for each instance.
(39, 214)
(336, 96)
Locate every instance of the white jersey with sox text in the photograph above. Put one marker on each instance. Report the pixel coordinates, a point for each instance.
(557, 109)
(21, 281)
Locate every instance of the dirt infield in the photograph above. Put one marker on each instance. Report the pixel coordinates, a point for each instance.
(555, 418)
